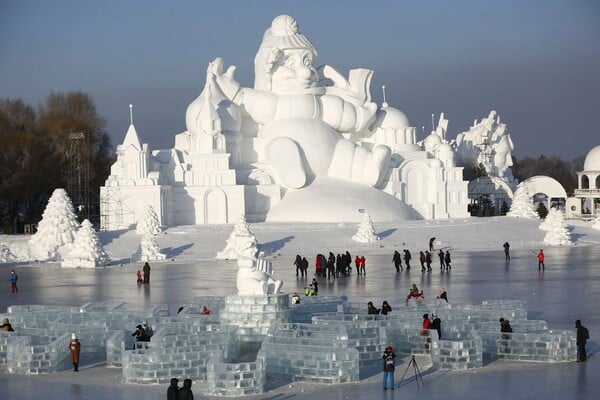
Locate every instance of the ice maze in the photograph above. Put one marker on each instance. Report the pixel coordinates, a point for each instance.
(247, 341)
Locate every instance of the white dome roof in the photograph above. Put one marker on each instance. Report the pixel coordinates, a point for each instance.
(592, 160)
(390, 117)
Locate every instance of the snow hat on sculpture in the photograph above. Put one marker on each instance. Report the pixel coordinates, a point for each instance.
(87, 252)
(56, 231)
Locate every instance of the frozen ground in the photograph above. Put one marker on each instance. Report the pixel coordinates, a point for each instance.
(568, 289)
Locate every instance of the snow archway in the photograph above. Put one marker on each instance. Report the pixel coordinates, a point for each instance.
(546, 185)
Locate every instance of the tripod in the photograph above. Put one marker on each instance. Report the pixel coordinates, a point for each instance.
(416, 370)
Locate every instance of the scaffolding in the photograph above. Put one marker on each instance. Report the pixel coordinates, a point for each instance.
(78, 174)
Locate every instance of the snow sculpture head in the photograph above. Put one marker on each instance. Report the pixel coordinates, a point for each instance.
(284, 58)
(301, 123)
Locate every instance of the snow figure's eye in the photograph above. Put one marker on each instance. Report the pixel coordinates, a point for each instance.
(291, 63)
(307, 62)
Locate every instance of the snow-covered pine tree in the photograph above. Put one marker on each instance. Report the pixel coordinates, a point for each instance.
(241, 239)
(56, 229)
(149, 250)
(549, 220)
(149, 222)
(558, 232)
(522, 206)
(86, 251)
(366, 231)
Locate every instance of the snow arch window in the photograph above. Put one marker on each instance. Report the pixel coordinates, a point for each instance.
(598, 182)
(585, 182)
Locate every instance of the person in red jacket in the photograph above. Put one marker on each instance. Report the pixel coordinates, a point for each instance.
(540, 257)
(363, 263)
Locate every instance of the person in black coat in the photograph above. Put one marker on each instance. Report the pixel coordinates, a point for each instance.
(582, 336)
(173, 389)
(185, 392)
(428, 260)
(448, 260)
(422, 260)
(397, 259)
(385, 308)
(436, 324)
(407, 258)
(506, 246)
(372, 309)
(389, 366)
(298, 264)
(441, 255)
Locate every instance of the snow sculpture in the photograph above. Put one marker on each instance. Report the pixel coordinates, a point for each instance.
(149, 223)
(596, 224)
(300, 119)
(522, 206)
(254, 276)
(488, 145)
(366, 231)
(242, 238)
(56, 229)
(87, 252)
(275, 151)
(558, 232)
(5, 254)
(149, 250)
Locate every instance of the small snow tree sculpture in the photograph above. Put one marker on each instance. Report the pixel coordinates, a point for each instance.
(549, 220)
(86, 252)
(522, 206)
(148, 223)
(558, 232)
(56, 229)
(366, 231)
(241, 240)
(149, 250)
(5, 254)
(596, 224)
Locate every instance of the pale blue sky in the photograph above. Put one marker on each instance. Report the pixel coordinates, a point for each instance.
(536, 62)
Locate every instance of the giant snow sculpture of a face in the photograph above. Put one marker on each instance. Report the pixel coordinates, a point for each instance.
(294, 70)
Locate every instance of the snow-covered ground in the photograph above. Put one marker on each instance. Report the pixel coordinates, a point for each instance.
(568, 289)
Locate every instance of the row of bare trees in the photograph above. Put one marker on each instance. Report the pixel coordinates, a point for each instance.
(33, 148)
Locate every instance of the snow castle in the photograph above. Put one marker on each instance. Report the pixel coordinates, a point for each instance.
(303, 144)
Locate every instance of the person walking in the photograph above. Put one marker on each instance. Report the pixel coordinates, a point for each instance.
(397, 259)
(146, 270)
(363, 264)
(422, 260)
(431, 242)
(185, 392)
(13, 281)
(298, 264)
(173, 389)
(448, 260)
(541, 257)
(582, 336)
(139, 277)
(389, 365)
(428, 261)
(407, 258)
(441, 255)
(75, 349)
(506, 246)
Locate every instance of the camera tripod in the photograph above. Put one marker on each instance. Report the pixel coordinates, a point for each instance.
(416, 370)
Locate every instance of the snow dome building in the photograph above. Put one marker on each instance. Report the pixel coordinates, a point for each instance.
(303, 144)
(586, 202)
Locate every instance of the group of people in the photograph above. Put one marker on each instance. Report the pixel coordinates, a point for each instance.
(174, 392)
(143, 333)
(335, 266)
(384, 310)
(145, 279)
(425, 258)
(310, 290)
